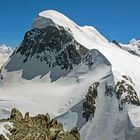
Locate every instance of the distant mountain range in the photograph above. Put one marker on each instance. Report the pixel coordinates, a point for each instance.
(5, 52)
(133, 47)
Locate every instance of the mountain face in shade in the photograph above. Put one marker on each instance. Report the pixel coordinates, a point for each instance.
(77, 76)
(48, 47)
(52, 47)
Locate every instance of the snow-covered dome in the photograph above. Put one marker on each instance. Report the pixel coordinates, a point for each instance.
(51, 17)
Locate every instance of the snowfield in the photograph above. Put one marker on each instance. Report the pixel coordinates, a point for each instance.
(63, 98)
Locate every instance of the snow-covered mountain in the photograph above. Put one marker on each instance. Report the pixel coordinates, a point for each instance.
(5, 52)
(133, 47)
(77, 76)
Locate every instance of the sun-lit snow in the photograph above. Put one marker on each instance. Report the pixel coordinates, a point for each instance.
(5, 52)
(80, 33)
(121, 61)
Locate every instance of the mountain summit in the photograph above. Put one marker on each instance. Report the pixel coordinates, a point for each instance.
(77, 76)
(52, 46)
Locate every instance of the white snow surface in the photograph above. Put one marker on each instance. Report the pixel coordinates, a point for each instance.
(63, 97)
(121, 61)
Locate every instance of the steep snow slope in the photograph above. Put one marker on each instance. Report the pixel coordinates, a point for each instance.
(121, 61)
(63, 96)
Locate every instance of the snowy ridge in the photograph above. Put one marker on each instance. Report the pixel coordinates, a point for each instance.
(55, 78)
(55, 18)
(96, 42)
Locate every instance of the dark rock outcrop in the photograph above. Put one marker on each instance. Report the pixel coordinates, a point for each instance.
(89, 105)
(126, 93)
(116, 43)
(47, 49)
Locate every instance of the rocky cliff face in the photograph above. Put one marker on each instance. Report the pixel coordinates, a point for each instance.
(51, 49)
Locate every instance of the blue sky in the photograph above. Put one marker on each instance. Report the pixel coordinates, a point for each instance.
(115, 19)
